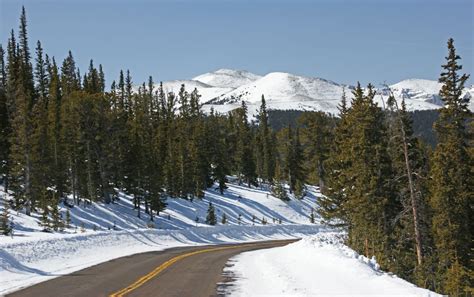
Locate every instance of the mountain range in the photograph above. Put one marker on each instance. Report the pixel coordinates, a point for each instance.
(224, 89)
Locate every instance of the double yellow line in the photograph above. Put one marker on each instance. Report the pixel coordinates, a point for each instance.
(141, 281)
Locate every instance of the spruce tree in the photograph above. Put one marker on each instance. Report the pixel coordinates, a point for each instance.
(244, 157)
(451, 180)
(4, 123)
(293, 161)
(317, 138)
(5, 220)
(218, 150)
(410, 165)
(53, 123)
(22, 92)
(211, 215)
(366, 196)
(311, 217)
(69, 77)
(332, 204)
(264, 134)
(278, 188)
(68, 218)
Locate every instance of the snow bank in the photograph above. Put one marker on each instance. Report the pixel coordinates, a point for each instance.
(319, 265)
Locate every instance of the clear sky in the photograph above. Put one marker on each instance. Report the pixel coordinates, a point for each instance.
(345, 41)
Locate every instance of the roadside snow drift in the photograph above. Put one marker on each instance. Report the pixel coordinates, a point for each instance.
(319, 265)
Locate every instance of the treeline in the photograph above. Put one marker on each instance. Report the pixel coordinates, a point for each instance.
(410, 207)
(64, 134)
(422, 122)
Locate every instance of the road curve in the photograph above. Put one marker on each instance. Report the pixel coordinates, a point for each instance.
(180, 272)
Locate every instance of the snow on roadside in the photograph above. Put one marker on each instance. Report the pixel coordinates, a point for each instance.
(319, 265)
(24, 263)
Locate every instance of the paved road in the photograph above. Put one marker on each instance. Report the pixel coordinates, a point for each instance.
(180, 272)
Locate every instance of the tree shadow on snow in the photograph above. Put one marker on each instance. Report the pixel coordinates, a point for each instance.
(9, 263)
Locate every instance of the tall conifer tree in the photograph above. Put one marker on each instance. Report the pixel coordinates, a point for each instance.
(452, 183)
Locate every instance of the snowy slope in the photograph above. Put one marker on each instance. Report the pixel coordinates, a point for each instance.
(319, 265)
(418, 89)
(206, 91)
(286, 91)
(211, 85)
(280, 86)
(227, 78)
(180, 213)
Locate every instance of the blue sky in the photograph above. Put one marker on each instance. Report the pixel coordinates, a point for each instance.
(345, 41)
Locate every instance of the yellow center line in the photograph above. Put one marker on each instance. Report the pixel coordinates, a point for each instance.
(141, 281)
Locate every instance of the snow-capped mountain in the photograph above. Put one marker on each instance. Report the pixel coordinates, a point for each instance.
(420, 94)
(224, 89)
(286, 91)
(206, 91)
(227, 78)
(212, 84)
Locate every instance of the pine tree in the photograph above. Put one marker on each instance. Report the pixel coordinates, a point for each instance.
(409, 162)
(331, 205)
(451, 180)
(211, 215)
(21, 88)
(363, 164)
(45, 204)
(69, 77)
(317, 138)
(56, 219)
(293, 161)
(4, 123)
(264, 134)
(278, 188)
(224, 219)
(244, 157)
(5, 220)
(39, 134)
(218, 150)
(53, 123)
(68, 218)
(311, 217)
(298, 170)
(70, 137)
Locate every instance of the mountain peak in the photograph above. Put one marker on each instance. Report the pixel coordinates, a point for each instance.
(227, 78)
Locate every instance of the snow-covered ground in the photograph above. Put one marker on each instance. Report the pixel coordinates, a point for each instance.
(319, 265)
(101, 232)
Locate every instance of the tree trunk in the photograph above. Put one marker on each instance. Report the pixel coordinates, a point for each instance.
(419, 252)
(414, 207)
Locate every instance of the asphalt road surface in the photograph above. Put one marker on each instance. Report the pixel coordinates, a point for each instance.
(180, 272)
